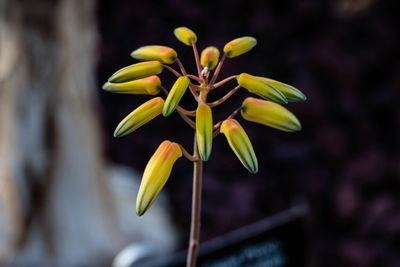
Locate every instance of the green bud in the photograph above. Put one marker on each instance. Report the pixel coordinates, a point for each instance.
(239, 46)
(137, 71)
(185, 35)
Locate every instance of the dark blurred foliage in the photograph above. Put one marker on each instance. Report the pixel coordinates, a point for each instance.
(344, 55)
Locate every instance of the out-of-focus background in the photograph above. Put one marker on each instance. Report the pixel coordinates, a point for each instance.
(68, 188)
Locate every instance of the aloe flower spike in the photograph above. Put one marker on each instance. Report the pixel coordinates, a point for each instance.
(161, 53)
(240, 144)
(270, 114)
(156, 174)
(141, 115)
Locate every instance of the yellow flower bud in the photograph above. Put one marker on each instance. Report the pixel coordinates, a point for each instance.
(209, 57)
(146, 86)
(185, 35)
(161, 53)
(239, 46)
(175, 95)
(269, 114)
(240, 144)
(156, 174)
(141, 115)
(204, 131)
(260, 88)
(291, 93)
(137, 71)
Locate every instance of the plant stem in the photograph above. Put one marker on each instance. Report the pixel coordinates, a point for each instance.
(196, 209)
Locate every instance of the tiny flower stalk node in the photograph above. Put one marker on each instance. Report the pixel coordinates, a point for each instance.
(141, 78)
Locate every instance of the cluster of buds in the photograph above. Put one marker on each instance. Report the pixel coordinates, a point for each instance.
(141, 78)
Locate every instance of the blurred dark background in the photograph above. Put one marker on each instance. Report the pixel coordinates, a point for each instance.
(345, 163)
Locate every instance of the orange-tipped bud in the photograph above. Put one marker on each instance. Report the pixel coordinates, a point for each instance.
(146, 86)
(141, 115)
(239, 46)
(240, 144)
(156, 174)
(161, 53)
(270, 114)
(137, 71)
(209, 57)
(185, 35)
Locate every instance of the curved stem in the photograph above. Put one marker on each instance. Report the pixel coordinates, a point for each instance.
(224, 98)
(217, 126)
(218, 84)
(194, 78)
(217, 70)
(177, 74)
(185, 111)
(187, 119)
(196, 57)
(196, 209)
(187, 154)
(183, 70)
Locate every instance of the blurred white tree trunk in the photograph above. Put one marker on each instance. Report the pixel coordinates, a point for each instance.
(55, 206)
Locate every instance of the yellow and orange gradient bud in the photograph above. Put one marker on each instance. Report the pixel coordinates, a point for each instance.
(260, 88)
(209, 57)
(175, 95)
(161, 53)
(239, 46)
(292, 94)
(141, 115)
(137, 71)
(204, 131)
(156, 174)
(146, 86)
(270, 114)
(185, 35)
(240, 144)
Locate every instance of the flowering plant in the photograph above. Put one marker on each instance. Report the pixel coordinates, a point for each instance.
(141, 78)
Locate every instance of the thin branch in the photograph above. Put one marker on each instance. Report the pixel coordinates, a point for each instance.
(224, 98)
(164, 90)
(187, 119)
(216, 132)
(187, 154)
(217, 126)
(177, 74)
(217, 70)
(194, 78)
(186, 112)
(195, 86)
(196, 56)
(234, 113)
(218, 84)
(181, 66)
